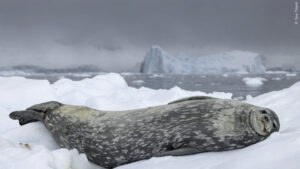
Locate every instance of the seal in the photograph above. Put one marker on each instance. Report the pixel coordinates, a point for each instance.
(183, 127)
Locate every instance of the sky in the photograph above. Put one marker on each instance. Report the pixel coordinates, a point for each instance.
(116, 34)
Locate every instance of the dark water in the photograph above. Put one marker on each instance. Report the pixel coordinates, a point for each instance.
(232, 83)
(210, 83)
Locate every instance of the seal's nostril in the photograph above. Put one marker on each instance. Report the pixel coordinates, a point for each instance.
(266, 119)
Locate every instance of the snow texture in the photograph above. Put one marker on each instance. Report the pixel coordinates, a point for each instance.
(32, 147)
(158, 61)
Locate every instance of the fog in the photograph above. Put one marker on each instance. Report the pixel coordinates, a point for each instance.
(116, 34)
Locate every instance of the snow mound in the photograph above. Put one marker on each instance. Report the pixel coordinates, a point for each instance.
(254, 81)
(159, 61)
(32, 147)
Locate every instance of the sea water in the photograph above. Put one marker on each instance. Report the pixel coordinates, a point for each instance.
(232, 83)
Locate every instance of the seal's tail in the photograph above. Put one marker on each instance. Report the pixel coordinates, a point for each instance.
(25, 116)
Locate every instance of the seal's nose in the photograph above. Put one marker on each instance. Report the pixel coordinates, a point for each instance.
(276, 126)
(275, 121)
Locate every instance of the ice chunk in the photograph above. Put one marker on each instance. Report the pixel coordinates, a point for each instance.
(254, 81)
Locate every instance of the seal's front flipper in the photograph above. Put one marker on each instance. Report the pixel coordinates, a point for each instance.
(26, 116)
(178, 152)
(191, 98)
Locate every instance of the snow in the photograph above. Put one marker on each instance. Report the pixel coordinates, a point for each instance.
(254, 81)
(159, 61)
(32, 147)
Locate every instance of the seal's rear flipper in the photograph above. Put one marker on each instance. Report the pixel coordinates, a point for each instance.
(34, 113)
(26, 116)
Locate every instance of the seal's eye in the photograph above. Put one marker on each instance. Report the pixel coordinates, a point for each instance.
(264, 112)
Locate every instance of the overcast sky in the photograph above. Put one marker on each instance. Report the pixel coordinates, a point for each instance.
(116, 34)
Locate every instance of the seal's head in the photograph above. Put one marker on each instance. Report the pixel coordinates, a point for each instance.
(34, 113)
(264, 121)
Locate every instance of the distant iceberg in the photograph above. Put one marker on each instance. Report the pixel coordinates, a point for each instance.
(159, 61)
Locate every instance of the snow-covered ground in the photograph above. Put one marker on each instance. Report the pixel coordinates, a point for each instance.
(32, 147)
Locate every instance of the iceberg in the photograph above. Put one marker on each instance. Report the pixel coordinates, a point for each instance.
(159, 61)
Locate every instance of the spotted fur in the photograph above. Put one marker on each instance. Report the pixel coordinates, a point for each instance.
(183, 127)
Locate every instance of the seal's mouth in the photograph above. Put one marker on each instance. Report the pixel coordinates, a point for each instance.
(264, 121)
